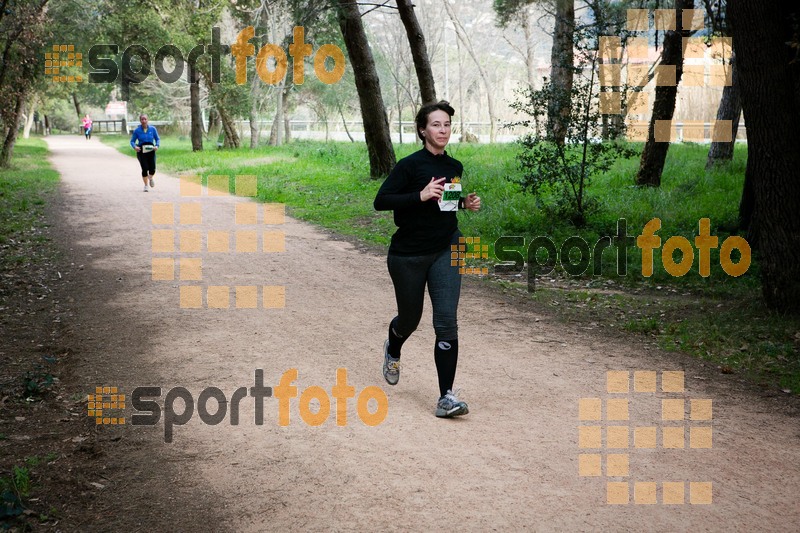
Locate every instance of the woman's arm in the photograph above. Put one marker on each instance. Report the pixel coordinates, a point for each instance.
(391, 195)
(155, 137)
(133, 139)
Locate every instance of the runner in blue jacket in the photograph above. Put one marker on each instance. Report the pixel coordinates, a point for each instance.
(145, 141)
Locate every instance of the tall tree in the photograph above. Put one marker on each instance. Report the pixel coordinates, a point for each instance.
(730, 108)
(368, 86)
(23, 26)
(767, 49)
(562, 58)
(654, 154)
(730, 105)
(419, 52)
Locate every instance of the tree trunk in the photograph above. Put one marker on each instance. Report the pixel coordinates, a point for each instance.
(228, 125)
(730, 108)
(11, 133)
(279, 132)
(655, 152)
(26, 132)
(419, 52)
(530, 50)
(196, 115)
(764, 41)
(255, 131)
(344, 122)
(287, 125)
(399, 113)
(213, 122)
(368, 86)
(562, 59)
(748, 222)
(76, 104)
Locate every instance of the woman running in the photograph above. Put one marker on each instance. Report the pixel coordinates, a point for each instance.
(145, 141)
(87, 127)
(419, 254)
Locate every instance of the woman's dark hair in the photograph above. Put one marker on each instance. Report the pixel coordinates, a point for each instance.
(427, 109)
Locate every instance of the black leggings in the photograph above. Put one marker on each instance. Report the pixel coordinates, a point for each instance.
(410, 275)
(147, 162)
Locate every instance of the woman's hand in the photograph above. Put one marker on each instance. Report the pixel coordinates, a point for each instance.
(137, 148)
(472, 202)
(434, 189)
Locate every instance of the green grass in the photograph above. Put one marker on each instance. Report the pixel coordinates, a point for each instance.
(712, 317)
(23, 190)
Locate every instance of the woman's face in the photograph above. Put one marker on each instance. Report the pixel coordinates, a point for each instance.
(143, 121)
(437, 132)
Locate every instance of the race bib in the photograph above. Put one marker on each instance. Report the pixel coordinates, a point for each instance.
(146, 148)
(450, 196)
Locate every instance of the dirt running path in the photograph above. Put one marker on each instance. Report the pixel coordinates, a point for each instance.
(512, 463)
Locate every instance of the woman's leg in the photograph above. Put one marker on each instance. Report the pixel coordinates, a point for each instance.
(152, 168)
(444, 287)
(143, 164)
(409, 275)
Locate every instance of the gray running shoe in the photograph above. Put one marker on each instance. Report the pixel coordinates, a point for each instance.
(449, 406)
(391, 366)
(152, 182)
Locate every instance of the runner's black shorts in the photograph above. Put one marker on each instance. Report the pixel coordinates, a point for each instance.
(147, 161)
